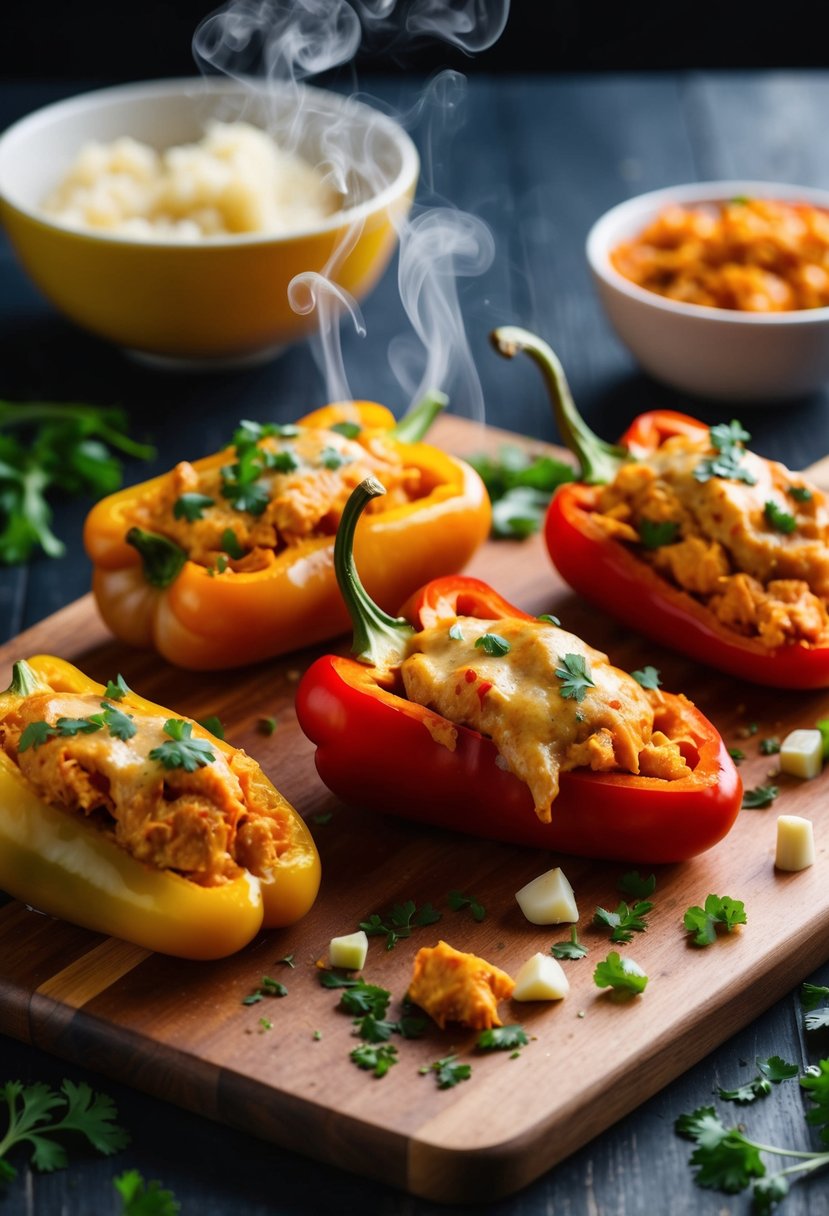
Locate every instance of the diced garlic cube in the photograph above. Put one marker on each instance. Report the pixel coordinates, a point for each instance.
(795, 843)
(801, 753)
(548, 900)
(541, 978)
(348, 952)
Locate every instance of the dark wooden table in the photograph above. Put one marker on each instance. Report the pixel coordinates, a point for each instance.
(538, 160)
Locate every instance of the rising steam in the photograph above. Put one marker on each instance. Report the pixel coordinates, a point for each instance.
(284, 42)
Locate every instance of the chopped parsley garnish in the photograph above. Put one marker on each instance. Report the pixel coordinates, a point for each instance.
(447, 1071)
(34, 735)
(727, 439)
(116, 689)
(37, 1113)
(361, 998)
(214, 725)
(182, 750)
(779, 519)
(801, 493)
(142, 1198)
(575, 677)
(760, 797)
(736, 754)
(815, 1001)
(192, 506)
(571, 950)
(457, 900)
(655, 533)
(455, 632)
(625, 921)
(268, 987)
(648, 677)
(401, 920)
(247, 496)
(520, 487)
(719, 912)
(248, 433)
(502, 1038)
(330, 458)
(376, 1058)
(770, 1072)
(632, 883)
(621, 974)
(770, 746)
(266, 726)
(493, 644)
(230, 544)
(69, 727)
(349, 430)
(281, 462)
(119, 724)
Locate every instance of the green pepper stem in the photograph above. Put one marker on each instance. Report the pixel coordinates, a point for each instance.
(416, 422)
(25, 679)
(379, 639)
(162, 558)
(600, 461)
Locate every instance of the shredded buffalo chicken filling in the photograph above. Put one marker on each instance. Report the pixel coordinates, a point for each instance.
(754, 548)
(206, 824)
(294, 489)
(542, 721)
(455, 987)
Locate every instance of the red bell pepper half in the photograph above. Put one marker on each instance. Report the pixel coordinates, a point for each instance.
(611, 575)
(378, 750)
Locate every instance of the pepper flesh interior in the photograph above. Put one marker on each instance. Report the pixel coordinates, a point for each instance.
(208, 825)
(719, 540)
(518, 699)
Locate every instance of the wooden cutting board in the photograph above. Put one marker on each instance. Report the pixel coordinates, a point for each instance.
(179, 1030)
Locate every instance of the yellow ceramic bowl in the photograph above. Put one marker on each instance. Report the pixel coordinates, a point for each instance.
(220, 299)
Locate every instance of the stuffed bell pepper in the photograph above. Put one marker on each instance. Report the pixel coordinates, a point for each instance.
(119, 817)
(230, 559)
(469, 714)
(684, 535)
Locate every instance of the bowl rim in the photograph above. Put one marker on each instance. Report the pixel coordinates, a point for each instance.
(209, 86)
(600, 239)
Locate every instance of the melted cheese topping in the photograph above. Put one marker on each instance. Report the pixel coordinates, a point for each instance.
(305, 501)
(204, 824)
(757, 579)
(519, 701)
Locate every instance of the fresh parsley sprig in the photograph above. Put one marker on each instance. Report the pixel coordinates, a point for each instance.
(457, 900)
(448, 1072)
(655, 533)
(182, 750)
(647, 677)
(574, 673)
(399, 922)
(572, 949)
(769, 1072)
(625, 921)
(36, 1114)
(376, 1058)
(719, 912)
(520, 487)
(140, 1198)
(815, 1001)
(759, 797)
(622, 975)
(727, 439)
(493, 644)
(780, 520)
(502, 1038)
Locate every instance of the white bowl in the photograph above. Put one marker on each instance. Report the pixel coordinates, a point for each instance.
(709, 352)
(221, 299)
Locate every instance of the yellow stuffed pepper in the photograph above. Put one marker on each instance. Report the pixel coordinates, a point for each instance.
(119, 817)
(229, 559)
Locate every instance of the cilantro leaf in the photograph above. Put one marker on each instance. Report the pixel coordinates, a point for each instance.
(621, 974)
(116, 689)
(727, 441)
(182, 751)
(770, 746)
(230, 544)
(758, 798)
(573, 949)
(35, 735)
(726, 434)
(801, 493)
(142, 1198)
(350, 430)
(816, 1084)
(632, 883)
(362, 998)
(502, 1038)
(192, 506)
(246, 496)
(448, 1072)
(520, 487)
(401, 920)
(119, 724)
(455, 632)
(758, 1087)
(266, 726)
(654, 534)
(779, 519)
(625, 921)
(493, 644)
(79, 726)
(375, 1058)
(575, 677)
(648, 677)
(519, 513)
(214, 725)
(736, 754)
(719, 911)
(31, 1119)
(330, 458)
(776, 1069)
(457, 901)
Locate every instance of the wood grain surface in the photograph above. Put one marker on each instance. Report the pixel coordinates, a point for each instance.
(179, 1030)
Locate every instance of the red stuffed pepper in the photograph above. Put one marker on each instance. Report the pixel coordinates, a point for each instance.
(441, 718)
(685, 536)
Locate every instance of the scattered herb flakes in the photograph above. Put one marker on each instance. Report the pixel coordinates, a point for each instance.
(35, 735)
(759, 797)
(376, 1058)
(815, 1001)
(801, 493)
(330, 458)
(625, 921)
(214, 725)
(718, 912)
(520, 487)
(230, 544)
(253, 998)
(654, 534)
(448, 1072)
(192, 506)
(455, 632)
(493, 644)
(140, 1198)
(823, 727)
(268, 987)
(457, 900)
(736, 754)
(727, 439)
(569, 950)
(374, 1030)
(317, 1036)
(116, 689)
(780, 520)
(502, 1038)
(37, 1113)
(401, 920)
(648, 677)
(769, 746)
(632, 883)
(622, 975)
(349, 430)
(182, 750)
(288, 961)
(266, 726)
(266, 1023)
(361, 998)
(770, 1072)
(575, 677)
